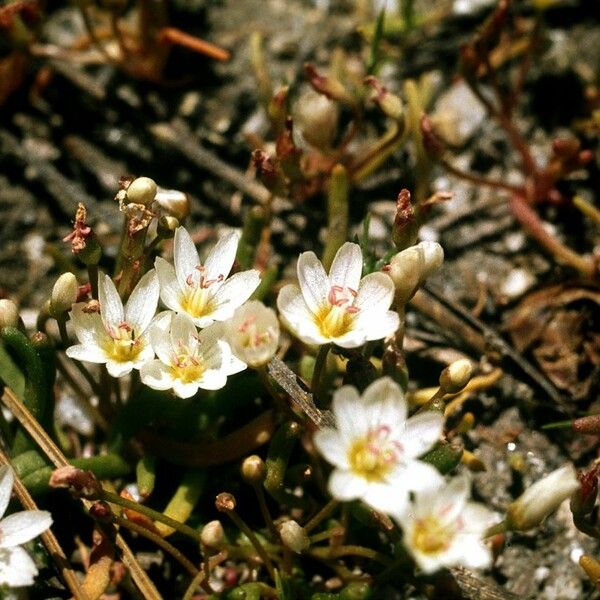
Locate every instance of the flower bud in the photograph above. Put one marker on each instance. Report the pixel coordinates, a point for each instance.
(409, 268)
(253, 333)
(584, 499)
(294, 537)
(225, 502)
(9, 314)
(142, 191)
(542, 499)
(173, 202)
(167, 225)
(389, 103)
(213, 536)
(254, 469)
(455, 376)
(64, 295)
(317, 118)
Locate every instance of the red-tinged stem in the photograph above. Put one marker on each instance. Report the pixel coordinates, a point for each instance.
(176, 36)
(534, 227)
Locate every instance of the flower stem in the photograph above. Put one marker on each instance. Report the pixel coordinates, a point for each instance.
(321, 515)
(495, 529)
(202, 576)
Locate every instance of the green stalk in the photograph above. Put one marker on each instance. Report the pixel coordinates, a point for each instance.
(337, 214)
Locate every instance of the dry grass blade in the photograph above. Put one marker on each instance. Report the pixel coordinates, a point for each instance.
(52, 451)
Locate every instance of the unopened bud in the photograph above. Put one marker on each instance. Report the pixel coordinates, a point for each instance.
(254, 469)
(173, 202)
(589, 425)
(64, 295)
(294, 536)
(317, 118)
(542, 499)
(225, 502)
(167, 225)
(455, 376)
(213, 536)
(389, 103)
(82, 484)
(9, 314)
(406, 225)
(101, 511)
(328, 86)
(142, 191)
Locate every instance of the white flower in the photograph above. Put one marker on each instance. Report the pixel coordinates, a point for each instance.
(116, 336)
(442, 529)
(204, 291)
(542, 498)
(374, 448)
(253, 333)
(17, 569)
(188, 359)
(342, 308)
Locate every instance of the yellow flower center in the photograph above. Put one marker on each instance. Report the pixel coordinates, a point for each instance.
(186, 365)
(430, 536)
(336, 318)
(196, 299)
(122, 346)
(374, 456)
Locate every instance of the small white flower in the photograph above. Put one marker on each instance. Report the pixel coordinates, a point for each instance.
(253, 333)
(188, 359)
(204, 291)
(116, 336)
(375, 448)
(542, 498)
(342, 308)
(17, 569)
(442, 529)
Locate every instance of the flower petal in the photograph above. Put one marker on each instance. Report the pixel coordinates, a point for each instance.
(23, 526)
(183, 331)
(213, 380)
(297, 317)
(330, 443)
(17, 568)
(233, 293)
(142, 303)
(111, 306)
(7, 480)
(343, 485)
(118, 368)
(377, 325)
(87, 353)
(347, 267)
(156, 375)
(158, 332)
(185, 390)
(387, 498)
(418, 477)
(313, 281)
(220, 259)
(468, 551)
(450, 499)
(348, 411)
(89, 328)
(422, 432)
(170, 291)
(375, 290)
(185, 254)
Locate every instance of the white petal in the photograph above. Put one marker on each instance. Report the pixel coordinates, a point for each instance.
(111, 306)
(377, 325)
(185, 390)
(213, 380)
(422, 432)
(468, 551)
(158, 332)
(385, 388)
(89, 328)
(118, 369)
(347, 267)
(418, 477)
(233, 293)
(387, 498)
(297, 317)
(156, 375)
(428, 563)
(87, 353)
(375, 290)
(332, 446)
(343, 485)
(352, 339)
(313, 280)
(142, 303)
(170, 291)
(220, 259)
(348, 411)
(477, 518)
(450, 499)
(7, 480)
(17, 569)
(23, 526)
(186, 256)
(183, 331)
(145, 354)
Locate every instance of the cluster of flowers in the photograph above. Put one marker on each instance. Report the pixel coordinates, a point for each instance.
(210, 332)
